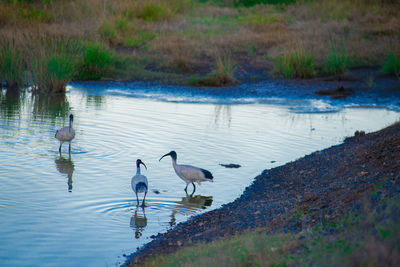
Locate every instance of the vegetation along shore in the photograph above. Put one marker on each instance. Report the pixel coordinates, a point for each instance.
(47, 43)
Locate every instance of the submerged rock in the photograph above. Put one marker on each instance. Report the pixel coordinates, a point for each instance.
(231, 165)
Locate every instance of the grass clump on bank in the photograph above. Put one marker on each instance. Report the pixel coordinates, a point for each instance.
(357, 238)
(51, 62)
(250, 3)
(295, 64)
(222, 75)
(11, 64)
(336, 62)
(96, 63)
(392, 64)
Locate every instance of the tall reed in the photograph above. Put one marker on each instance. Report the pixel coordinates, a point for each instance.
(336, 62)
(295, 64)
(52, 61)
(223, 73)
(11, 63)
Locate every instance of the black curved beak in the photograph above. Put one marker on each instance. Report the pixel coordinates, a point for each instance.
(168, 154)
(143, 164)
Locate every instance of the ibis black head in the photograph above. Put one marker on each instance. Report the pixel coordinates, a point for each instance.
(138, 162)
(172, 154)
(71, 117)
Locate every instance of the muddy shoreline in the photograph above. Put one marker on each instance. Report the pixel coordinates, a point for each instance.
(326, 184)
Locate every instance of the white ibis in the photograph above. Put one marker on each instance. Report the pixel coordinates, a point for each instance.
(189, 174)
(66, 134)
(139, 182)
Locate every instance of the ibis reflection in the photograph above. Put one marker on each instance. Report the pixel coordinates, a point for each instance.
(65, 166)
(139, 221)
(189, 205)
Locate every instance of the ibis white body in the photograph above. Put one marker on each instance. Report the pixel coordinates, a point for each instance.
(66, 134)
(189, 174)
(139, 182)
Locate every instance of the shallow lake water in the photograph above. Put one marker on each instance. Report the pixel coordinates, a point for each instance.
(79, 209)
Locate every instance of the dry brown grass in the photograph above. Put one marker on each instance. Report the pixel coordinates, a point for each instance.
(183, 35)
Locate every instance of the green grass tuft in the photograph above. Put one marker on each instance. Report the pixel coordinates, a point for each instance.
(11, 64)
(52, 63)
(295, 64)
(52, 72)
(96, 63)
(140, 39)
(222, 75)
(336, 62)
(153, 11)
(250, 3)
(392, 64)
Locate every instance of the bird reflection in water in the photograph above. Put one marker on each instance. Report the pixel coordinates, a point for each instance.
(190, 205)
(65, 166)
(138, 222)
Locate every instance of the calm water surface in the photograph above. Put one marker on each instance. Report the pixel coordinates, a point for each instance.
(79, 209)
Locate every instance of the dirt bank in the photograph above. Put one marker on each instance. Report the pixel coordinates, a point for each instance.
(324, 184)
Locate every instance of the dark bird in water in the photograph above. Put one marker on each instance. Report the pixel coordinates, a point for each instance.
(139, 182)
(188, 173)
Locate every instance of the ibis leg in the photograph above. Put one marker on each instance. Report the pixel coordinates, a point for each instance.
(69, 149)
(145, 193)
(137, 199)
(194, 189)
(186, 188)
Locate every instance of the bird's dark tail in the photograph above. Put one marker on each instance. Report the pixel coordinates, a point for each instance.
(141, 187)
(207, 174)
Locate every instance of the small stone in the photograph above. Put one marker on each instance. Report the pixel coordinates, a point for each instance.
(361, 174)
